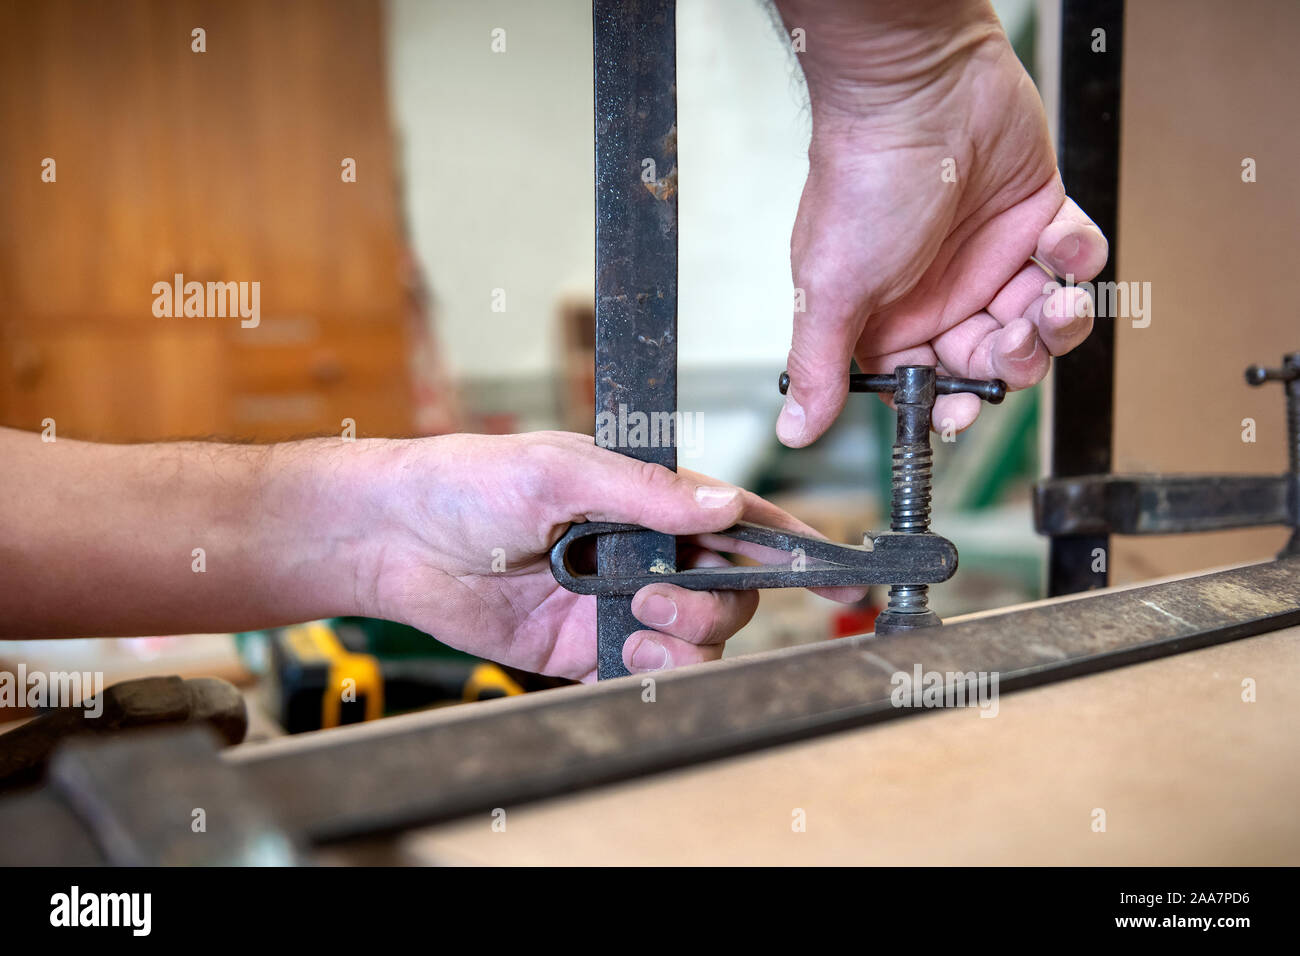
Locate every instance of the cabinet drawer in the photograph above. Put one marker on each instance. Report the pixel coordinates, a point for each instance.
(382, 409)
(329, 362)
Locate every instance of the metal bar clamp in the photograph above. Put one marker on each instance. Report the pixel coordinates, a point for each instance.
(908, 557)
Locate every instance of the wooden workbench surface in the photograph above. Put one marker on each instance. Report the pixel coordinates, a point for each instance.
(1185, 770)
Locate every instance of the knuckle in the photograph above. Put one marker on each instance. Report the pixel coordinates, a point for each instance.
(653, 478)
(724, 615)
(808, 374)
(703, 618)
(541, 465)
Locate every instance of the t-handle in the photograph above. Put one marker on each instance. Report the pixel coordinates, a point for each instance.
(1289, 376)
(992, 390)
(1289, 372)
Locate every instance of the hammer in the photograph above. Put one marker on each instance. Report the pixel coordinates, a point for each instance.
(148, 701)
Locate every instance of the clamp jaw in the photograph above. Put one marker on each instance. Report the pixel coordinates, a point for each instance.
(1180, 504)
(907, 557)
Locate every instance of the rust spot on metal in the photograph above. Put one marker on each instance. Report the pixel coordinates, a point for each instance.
(664, 188)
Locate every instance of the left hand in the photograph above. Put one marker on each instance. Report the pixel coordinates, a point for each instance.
(462, 550)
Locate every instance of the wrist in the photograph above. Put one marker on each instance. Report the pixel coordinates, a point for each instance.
(870, 58)
(324, 509)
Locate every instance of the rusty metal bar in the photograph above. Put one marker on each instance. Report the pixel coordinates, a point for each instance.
(1159, 504)
(443, 764)
(634, 43)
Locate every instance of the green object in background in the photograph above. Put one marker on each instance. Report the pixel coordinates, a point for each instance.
(1010, 456)
(323, 674)
(381, 638)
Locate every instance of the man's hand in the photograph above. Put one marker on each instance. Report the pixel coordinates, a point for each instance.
(932, 182)
(449, 534)
(472, 518)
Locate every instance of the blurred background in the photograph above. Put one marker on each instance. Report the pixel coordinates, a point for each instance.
(449, 287)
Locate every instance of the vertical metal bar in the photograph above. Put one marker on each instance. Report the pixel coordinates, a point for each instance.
(635, 59)
(1291, 365)
(1083, 382)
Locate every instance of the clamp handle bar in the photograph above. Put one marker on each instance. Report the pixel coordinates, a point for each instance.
(1289, 372)
(992, 391)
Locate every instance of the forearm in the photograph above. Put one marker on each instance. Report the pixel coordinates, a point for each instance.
(182, 537)
(870, 54)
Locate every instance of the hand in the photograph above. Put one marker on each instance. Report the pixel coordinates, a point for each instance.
(460, 503)
(899, 266)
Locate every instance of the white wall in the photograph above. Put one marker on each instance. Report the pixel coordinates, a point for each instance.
(497, 161)
(497, 158)
(743, 141)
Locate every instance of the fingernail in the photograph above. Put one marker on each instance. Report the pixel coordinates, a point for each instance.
(711, 496)
(649, 655)
(789, 426)
(1025, 345)
(1066, 250)
(657, 611)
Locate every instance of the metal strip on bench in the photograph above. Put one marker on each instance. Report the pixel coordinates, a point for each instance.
(431, 766)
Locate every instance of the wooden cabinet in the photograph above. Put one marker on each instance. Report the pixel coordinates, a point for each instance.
(222, 166)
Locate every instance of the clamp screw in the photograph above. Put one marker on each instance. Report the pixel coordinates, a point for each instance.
(1289, 376)
(914, 388)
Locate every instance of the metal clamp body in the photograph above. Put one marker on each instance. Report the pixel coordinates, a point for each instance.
(907, 557)
(887, 558)
(1182, 504)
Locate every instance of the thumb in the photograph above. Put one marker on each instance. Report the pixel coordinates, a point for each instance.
(613, 487)
(818, 364)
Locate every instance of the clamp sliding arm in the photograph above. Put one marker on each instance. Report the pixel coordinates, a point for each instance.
(814, 562)
(1183, 504)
